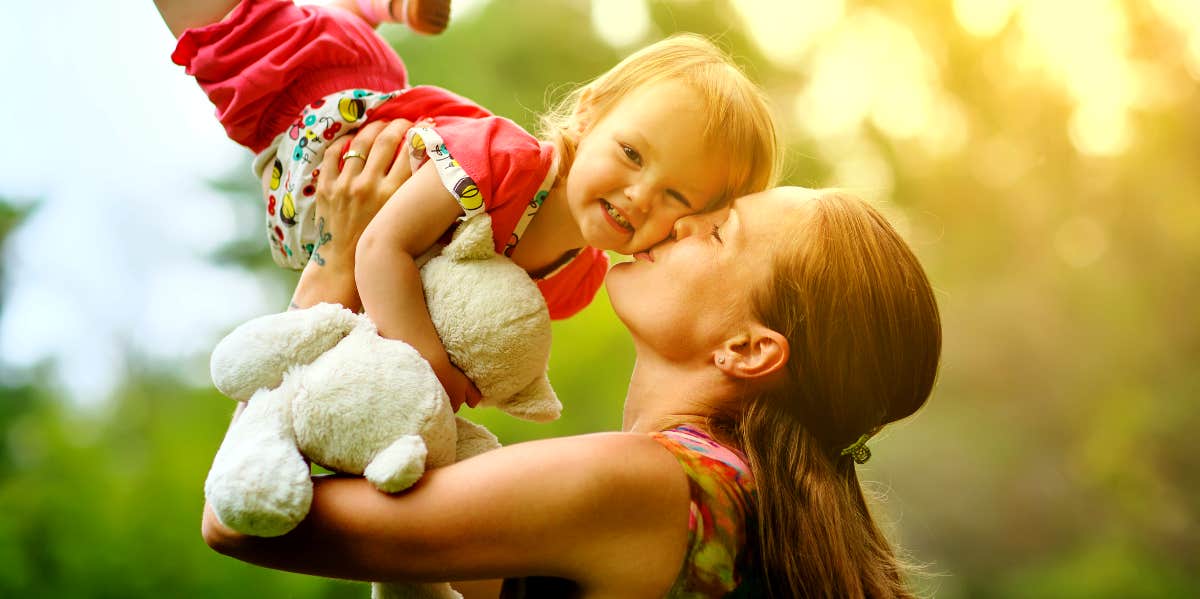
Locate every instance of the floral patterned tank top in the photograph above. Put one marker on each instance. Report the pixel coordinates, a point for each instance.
(721, 559)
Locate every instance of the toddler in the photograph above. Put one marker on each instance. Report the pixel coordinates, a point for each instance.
(673, 129)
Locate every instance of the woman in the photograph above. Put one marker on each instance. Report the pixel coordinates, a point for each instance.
(772, 339)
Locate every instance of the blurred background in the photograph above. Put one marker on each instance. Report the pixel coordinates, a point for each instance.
(1042, 157)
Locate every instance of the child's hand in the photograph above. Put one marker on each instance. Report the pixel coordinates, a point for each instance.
(460, 388)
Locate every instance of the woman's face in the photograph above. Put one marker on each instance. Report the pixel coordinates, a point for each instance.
(686, 295)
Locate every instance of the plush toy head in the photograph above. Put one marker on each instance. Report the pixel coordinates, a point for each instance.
(493, 322)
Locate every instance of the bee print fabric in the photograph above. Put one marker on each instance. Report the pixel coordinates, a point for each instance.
(291, 191)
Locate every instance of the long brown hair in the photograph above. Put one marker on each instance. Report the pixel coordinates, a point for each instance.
(865, 339)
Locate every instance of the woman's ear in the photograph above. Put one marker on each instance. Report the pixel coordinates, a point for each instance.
(754, 355)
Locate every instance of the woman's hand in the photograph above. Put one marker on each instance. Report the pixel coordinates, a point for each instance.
(356, 177)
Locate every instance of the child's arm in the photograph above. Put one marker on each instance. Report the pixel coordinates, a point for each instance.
(181, 15)
(387, 275)
(352, 6)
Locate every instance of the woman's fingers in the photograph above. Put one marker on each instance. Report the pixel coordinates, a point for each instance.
(354, 160)
(380, 151)
(400, 169)
(329, 168)
(360, 172)
(385, 152)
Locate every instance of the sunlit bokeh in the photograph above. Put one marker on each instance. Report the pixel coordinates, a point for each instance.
(984, 18)
(621, 22)
(1184, 15)
(785, 30)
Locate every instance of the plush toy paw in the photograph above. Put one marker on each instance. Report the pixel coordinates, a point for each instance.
(257, 354)
(259, 483)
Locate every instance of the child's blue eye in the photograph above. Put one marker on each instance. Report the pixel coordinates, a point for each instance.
(632, 154)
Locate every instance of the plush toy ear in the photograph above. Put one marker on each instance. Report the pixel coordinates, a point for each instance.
(472, 239)
(537, 402)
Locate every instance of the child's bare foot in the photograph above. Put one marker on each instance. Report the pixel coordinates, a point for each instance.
(423, 16)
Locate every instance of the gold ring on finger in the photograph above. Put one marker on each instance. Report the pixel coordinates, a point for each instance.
(354, 154)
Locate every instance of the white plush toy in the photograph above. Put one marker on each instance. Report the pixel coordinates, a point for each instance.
(322, 384)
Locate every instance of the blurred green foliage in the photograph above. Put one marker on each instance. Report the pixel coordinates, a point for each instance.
(1057, 457)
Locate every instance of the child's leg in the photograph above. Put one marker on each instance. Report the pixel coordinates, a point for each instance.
(181, 15)
(422, 16)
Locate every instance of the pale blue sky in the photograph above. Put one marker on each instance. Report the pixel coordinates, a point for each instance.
(117, 143)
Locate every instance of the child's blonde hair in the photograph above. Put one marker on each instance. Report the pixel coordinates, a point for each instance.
(739, 117)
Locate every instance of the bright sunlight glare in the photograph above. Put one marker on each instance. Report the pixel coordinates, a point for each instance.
(1084, 46)
(873, 68)
(785, 29)
(983, 18)
(621, 23)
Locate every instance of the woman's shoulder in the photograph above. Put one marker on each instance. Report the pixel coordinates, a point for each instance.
(638, 458)
(628, 498)
(613, 471)
(615, 457)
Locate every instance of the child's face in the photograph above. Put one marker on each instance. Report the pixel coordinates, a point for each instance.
(641, 167)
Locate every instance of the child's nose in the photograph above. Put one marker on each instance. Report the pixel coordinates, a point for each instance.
(639, 197)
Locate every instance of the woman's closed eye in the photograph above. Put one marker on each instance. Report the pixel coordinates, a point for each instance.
(632, 154)
(716, 233)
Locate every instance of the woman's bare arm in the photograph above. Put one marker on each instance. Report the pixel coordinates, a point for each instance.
(606, 510)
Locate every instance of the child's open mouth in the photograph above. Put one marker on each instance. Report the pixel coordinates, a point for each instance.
(616, 216)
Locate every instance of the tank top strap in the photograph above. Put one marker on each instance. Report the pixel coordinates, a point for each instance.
(721, 555)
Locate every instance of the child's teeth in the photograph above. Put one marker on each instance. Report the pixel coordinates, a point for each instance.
(612, 211)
